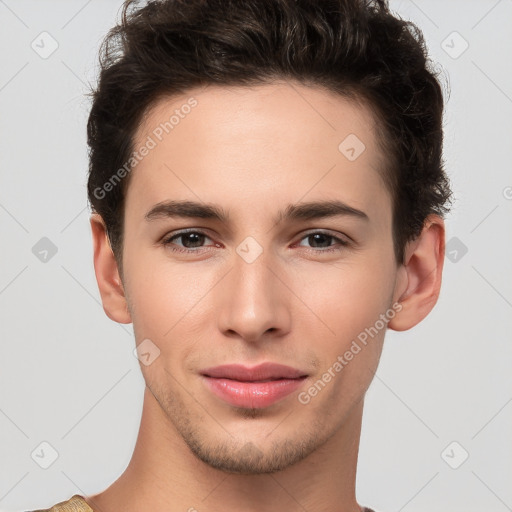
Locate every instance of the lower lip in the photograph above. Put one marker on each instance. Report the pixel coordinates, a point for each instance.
(254, 395)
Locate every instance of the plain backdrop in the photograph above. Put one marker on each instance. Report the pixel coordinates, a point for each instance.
(437, 423)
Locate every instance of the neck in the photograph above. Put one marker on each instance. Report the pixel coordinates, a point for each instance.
(164, 475)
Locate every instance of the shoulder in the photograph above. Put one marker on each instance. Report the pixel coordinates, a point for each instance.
(75, 504)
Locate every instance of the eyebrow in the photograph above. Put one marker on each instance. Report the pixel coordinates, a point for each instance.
(300, 211)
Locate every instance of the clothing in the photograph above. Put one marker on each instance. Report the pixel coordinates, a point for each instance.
(77, 504)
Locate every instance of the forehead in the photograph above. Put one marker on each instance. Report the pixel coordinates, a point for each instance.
(251, 146)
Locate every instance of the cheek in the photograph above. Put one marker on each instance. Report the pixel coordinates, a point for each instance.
(348, 358)
(350, 295)
(349, 333)
(168, 300)
(170, 309)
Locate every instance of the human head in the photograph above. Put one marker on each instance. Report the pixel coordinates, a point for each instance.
(255, 140)
(355, 48)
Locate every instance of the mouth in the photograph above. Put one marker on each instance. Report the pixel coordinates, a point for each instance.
(256, 387)
(263, 372)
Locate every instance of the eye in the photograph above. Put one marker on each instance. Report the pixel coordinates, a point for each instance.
(323, 239)
(192, 240)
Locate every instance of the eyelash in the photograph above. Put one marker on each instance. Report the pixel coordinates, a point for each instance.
(166, 242)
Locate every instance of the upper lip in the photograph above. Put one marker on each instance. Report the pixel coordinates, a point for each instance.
(262, 371)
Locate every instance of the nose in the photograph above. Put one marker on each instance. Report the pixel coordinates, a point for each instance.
(255, 299)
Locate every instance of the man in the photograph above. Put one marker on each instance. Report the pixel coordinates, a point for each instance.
(268, 192)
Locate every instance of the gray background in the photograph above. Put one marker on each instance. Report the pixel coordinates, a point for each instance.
(68, 376)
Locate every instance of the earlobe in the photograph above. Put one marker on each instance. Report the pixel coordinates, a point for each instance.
(421, 273)
(107, 274)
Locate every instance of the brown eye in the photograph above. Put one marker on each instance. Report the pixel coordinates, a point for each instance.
(322, 242)
(190, 241)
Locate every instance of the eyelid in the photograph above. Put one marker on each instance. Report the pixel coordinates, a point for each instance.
(166, 239)
(334, 234)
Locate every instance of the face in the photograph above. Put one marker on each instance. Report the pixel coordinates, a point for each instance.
(254, 272)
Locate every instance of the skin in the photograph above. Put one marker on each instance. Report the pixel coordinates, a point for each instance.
(253, 151)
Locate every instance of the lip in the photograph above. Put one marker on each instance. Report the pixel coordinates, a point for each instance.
(253, 387)
(263, 371)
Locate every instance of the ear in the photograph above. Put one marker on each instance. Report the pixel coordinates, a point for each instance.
(107, 274)
(419, 278)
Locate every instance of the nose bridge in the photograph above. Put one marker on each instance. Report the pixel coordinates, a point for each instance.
(253, 299)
